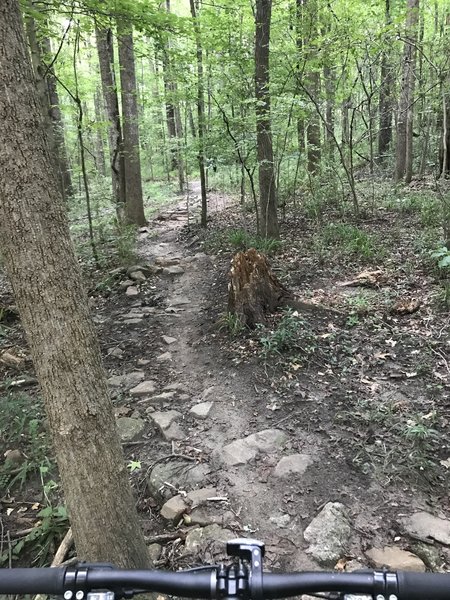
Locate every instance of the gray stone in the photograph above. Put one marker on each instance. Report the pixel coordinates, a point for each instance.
(179, 301)
(138, 276)
(173, 432)
(154, 552)
(164, 357)
(163, 397)
(166, 261)
(144, 388)
(132, 291)
(117, 352)
(199, 497)
(430, 555)
(281, 521)
(179, 473)
(142, 362)
(426, 525)
(201, 411)
(268, 440)
(395, 558)
(174, 270)
(329, 534)
(133, 314)
(134, 268)
(237, 453)
(130, 429)
(125, 284)
(293, 464)
(169, 340)
(202, 537)
(127, 380)
(148, 310)
(132, 321)
(177, 387)
(173, 508)
(208, 392)
(164, 419)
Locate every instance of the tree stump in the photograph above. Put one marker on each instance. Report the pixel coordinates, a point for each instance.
(253, 291)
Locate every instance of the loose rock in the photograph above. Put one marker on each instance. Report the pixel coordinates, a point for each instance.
(169, 340)
(294, 464)
(173, 432)
(132, 291)
(177, 387)
(236, 453)
(426, 525)
(144, 388)
(174, 270)
(328, 534)
(138, 276)
(164, 419)
(202, 537)
(201, 411)
(179, 473)
(173, 508)
(130, 429)
(267, 441)
(164, 357)
(154, 552)
(395, 558)
(126, 381)
(199, 497)
(179, 301)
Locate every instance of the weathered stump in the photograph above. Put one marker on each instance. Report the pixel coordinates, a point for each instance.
(253, 291)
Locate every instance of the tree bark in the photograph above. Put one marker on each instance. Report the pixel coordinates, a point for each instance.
(404, 148)
(49, 101)
(312, 80)
(134, 206)
(173, 112)
(385, 99)
(299, 43)
(45, 276)
(200, 112)
(267, 182)
(105, 50)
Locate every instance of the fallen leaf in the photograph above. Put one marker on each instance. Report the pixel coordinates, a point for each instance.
(391, 342)
(446, 463)
(406, 306)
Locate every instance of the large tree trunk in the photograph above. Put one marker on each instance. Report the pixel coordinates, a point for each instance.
(134, 206)
(313, 84)
(403, 167)
(105, 49)
(267, 181)
(299, 43)
(200, 112)
(173, 112)
(49, 101)
(44, 272)
(385, 100)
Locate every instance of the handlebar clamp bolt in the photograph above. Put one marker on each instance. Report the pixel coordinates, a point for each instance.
(80, 595)
(393, 597)
(380, 597)
(68, 595)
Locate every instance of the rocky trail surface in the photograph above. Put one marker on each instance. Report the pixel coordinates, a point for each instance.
(216, 461)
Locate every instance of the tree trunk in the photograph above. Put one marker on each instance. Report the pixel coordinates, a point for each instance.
(299, 43)
(312, 79)
(99, 148)
(105, 49)
(200, 112)
(49, 101)
(173, 112)
(134, 206)
(267, 185)
(329, 76)
(403, 167)
(385, 100)
(46, 279)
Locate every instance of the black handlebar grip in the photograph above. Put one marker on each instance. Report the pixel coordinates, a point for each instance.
(423, 586)
(32, 581)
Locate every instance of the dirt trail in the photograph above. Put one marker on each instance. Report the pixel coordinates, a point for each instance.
(277, 475)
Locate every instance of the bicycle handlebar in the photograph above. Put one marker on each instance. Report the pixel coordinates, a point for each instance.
(218, 582)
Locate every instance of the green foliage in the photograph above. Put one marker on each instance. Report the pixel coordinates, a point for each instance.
(442, 255)
(50, 528)
(352, 240)
(231, 323)
(291, 335)
(240, 239)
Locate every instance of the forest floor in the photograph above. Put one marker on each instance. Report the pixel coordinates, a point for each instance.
(326, 437)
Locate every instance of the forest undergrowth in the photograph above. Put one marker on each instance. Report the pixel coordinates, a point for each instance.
(371, 378)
